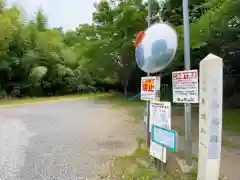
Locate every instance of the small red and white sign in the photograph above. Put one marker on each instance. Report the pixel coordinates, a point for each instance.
(149, 87)
(185, 86)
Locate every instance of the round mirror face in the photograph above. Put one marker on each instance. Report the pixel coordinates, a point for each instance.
(156, 48)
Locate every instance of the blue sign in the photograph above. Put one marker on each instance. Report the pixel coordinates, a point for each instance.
(164, 137)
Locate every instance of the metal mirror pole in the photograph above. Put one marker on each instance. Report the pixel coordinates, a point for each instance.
(148, 74)
(187, 65)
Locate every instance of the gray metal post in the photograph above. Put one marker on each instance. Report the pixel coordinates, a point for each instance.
(187, 65)
(148, 74)
(149, 12)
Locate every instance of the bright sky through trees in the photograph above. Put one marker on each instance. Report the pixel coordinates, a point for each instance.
(65, 13)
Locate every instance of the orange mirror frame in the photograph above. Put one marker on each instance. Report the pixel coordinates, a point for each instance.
(138, 39)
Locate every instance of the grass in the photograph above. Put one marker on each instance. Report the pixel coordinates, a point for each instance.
(230, 144)
(123, 102)
(140, 166)
(181, 155)
(16, 101)
(231, 120)
(231, 117)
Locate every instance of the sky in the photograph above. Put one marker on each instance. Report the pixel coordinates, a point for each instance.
(60, 13)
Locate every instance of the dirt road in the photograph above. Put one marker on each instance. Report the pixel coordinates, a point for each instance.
(66, 140)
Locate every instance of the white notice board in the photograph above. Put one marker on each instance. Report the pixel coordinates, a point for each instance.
(160, 115)
(185, 86)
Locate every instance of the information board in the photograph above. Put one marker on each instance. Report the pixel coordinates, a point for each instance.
(185, 86)
(150, 87)
(160, 115)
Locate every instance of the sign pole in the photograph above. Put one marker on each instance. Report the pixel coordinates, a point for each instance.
(187, 65)
(148, 74)
(149, 12)
(162, 165)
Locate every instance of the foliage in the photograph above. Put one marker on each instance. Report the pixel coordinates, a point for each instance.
(39, 60)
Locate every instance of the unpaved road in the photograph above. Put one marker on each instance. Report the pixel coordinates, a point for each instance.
(65, 140)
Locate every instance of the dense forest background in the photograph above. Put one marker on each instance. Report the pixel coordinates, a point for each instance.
(36, 60)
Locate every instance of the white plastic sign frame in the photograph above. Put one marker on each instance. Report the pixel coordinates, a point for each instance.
(160, 115)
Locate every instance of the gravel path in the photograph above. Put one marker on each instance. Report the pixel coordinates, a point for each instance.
(65, 140)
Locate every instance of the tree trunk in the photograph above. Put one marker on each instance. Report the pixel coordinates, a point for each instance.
(125, 87)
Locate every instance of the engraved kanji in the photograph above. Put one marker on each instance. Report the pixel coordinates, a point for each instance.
(214, 139)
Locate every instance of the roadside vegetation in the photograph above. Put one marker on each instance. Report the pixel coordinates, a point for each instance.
(140, 166)
(26, 100)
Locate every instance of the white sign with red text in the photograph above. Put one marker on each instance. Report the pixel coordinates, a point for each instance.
(150, 88)
(185, 86)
